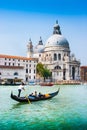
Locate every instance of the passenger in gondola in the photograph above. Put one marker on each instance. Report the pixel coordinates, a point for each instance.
(40, 95)
(36, 94)
(31, 94)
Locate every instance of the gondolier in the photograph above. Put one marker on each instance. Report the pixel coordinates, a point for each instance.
(21, 87)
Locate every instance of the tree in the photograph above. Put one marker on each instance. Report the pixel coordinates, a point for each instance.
(46, 73)
(39, 69)
(42, 71)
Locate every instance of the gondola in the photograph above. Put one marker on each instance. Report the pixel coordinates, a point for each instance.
(33, 98)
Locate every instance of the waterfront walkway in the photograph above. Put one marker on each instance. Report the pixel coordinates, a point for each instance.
(66, 82)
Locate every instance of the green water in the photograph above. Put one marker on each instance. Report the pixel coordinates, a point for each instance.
(66, 111)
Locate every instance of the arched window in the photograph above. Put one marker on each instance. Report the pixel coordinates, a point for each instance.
(16, 73)
(59, 56)
(55, 56)
(57, 67)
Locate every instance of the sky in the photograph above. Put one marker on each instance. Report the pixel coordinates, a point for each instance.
(21, 20)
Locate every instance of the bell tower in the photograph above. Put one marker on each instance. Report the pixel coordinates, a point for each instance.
(30, 49)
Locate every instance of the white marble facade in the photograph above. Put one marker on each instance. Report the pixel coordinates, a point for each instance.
(55, 55)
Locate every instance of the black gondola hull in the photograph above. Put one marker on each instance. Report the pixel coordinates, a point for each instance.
(32, 98)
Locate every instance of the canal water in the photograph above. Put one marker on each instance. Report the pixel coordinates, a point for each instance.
(66, 111)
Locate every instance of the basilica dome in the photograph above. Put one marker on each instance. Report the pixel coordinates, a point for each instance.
(57, 40)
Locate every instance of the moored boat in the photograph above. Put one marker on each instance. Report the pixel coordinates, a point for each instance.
(46, 84)
(33, 98)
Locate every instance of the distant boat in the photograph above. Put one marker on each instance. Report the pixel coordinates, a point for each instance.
(46, 84)
(34, 98)
(32, 83)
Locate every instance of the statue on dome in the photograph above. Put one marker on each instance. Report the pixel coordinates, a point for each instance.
(57, 28)
(40, 41)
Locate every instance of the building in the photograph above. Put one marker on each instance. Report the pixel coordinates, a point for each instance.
(84, 73)
(54, 54)
(14, 69)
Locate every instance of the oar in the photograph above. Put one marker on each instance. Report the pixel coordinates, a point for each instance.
(28, 99)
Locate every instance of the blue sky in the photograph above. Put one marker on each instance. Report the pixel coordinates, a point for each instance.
(21, 20)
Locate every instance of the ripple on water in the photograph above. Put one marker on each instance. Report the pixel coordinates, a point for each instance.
(68, 110)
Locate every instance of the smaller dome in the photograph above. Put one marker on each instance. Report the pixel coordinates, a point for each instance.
(39, 49)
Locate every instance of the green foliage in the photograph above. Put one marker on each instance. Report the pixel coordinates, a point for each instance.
(39, 69)
(42, 71)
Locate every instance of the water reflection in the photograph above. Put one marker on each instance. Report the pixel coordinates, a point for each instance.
(17, 105)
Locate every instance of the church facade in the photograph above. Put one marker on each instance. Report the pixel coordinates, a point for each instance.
(56, 56)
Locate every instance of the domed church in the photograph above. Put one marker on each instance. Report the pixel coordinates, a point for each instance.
(55, 55)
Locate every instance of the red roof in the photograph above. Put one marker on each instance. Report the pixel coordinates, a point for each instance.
(83, 66)
(16, 57)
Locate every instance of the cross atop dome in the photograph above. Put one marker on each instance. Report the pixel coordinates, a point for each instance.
(56, 21)
(56, 28)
